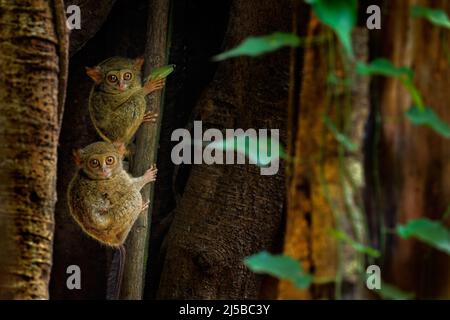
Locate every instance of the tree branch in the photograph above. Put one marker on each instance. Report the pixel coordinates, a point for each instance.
(146, 152)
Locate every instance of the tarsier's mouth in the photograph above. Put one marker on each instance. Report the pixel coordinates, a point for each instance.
(122, 87)
(105, 174)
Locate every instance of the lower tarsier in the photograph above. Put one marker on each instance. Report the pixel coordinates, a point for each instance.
(103, 198)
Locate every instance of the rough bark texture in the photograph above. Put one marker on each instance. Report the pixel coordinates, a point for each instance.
(147, 142)
(228, 212)
(30, 91)
(414, 159)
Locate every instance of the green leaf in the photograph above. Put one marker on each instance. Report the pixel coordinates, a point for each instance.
(427, 117)
(340, 15)
(436, 16)
(257, 150)
(334, 80)
(390, 292)
(383, 67)
(160, 73)
(415, 94)
(341, 235)
(434, 233)
(256, 46)
(446, 213)
(282, 267)
(340, 137)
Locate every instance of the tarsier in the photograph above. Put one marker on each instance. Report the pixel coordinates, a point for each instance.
(117, 101)
(104, 199)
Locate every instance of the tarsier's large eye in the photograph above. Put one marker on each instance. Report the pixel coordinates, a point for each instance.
(112, 78)
(94, 163)
(127, 76)
(110, 160)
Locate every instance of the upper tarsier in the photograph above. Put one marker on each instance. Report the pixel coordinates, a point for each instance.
(117, 101)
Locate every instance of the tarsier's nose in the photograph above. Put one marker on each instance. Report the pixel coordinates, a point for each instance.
(122, 86)
(105, 170)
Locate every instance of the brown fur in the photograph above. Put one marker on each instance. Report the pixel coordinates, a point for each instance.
(117, 113)
(106, 207)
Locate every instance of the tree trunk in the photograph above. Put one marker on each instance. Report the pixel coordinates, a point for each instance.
(228, 212)
(33, 58)
(322, 193)
(414, 159)
(147, 142)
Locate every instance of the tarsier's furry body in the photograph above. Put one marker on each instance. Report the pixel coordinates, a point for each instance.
(103, 198)
(117, 100)
(120, 123)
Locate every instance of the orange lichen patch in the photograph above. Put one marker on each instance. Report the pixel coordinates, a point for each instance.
(309, 217)
(315, 192)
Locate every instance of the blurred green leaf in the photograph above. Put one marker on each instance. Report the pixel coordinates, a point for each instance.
(436, 16)
(260, 153)
(160, 73)
(340, 137)
(446, 213)
(334, 80)
(341, 235)
(383, 67)
(282, 267)
(427, 117)
(256, 46)
(265, 149)
(434, 233)
(390, 292)
(340, 15)
(415, 94)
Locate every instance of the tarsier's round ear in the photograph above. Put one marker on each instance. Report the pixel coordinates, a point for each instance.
(139, 62)
(78, 157)
(95, 73)
(121, 148)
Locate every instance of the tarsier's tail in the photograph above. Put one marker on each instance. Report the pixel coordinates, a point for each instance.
(115, 275)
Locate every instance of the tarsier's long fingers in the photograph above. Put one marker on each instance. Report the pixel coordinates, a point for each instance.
(150, 117)
(151, 173)
(145, 206)
(154, 85)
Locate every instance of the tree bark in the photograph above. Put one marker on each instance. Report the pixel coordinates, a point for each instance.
(320, 197)
(228, 212)
(33, 58)
(414, 159)
(147, 142)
